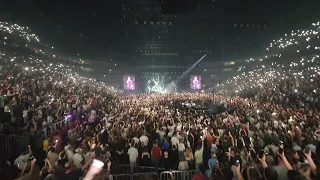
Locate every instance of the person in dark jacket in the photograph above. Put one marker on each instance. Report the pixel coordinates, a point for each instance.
(174, 157)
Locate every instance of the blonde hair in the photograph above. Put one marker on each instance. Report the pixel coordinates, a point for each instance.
(188, 153)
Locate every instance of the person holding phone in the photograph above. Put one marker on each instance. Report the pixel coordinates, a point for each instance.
(21, 160)
(96, 171)
(33, 172)
(71, 173)
(236, 168)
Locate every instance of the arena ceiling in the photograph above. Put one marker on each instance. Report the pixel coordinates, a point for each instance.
(208, 26)
(124, 32)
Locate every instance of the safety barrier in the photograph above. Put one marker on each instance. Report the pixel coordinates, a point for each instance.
(138, 176)
(191, 173)
(178, 175)
(48, 129)
(140, 169)
(120, 177)
(11, 146)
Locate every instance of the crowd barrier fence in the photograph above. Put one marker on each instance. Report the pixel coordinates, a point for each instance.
(178, 175)
(11, 146)
(140, 169)
(137, 176)
(165, 175)
(191, 173)
(54, 126)
(120, 177)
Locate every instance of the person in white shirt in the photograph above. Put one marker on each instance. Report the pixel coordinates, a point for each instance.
(136, 140)
(179, 127)
(21, 160)
(170, 134)
(183, 165)
(144, 140)
(179, 136)
(44, 123)
(7, 109)
(37, 99)
(174, 140)
(49, 119)
(40, 113)
(77, 158)
(69, 152)
(25, 115)
(181, 149)
(133, 155)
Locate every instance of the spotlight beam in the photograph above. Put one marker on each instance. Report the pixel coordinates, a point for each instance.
(170, 86)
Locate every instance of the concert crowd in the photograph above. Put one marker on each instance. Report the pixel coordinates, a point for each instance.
(265, 124)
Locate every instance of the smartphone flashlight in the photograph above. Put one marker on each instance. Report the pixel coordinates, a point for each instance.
(97, 163)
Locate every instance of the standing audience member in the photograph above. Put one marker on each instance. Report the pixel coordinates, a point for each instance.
(198, 155)
(155, 155)
(133, 156)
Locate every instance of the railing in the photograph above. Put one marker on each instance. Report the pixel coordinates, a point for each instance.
(140, 169)
(120, 177)
(48, 129)
(178, 175)
(165, 175)
(138, 176)
(11, 146)
(191, 173)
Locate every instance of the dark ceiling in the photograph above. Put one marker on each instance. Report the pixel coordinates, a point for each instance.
(227, 29)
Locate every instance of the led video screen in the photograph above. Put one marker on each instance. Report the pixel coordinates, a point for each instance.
(195, 82)
(129, 82)
(157, 83)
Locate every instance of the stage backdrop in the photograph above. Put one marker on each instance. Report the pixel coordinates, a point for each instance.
(129, 82)
(195, 82)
